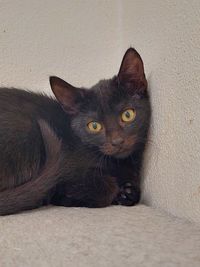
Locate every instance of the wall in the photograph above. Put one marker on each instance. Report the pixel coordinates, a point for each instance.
(167, 34)
(77, 40)
(83, 41)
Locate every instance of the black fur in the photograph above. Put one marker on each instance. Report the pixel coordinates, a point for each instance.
(49, 156)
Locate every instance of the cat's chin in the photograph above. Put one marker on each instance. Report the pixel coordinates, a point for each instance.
(122, 154)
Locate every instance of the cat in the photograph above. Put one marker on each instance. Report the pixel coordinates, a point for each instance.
(84, 148)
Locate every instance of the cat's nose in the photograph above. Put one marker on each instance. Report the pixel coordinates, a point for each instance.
(117, 141)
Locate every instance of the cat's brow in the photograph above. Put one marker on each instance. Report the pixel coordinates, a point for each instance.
(123, 105)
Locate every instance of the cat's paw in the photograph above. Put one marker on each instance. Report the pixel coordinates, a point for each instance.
(129, 195)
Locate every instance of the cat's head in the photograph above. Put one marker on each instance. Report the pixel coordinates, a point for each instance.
(112, 116)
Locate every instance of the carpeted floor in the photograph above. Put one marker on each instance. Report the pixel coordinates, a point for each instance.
(114, 236)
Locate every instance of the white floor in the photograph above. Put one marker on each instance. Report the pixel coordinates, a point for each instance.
(113, 236)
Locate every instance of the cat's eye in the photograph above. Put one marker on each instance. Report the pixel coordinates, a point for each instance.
(128, 115)
(94, 126)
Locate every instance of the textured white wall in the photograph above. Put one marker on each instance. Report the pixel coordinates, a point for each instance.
(83, 41)
(167, 33)
(77, 40)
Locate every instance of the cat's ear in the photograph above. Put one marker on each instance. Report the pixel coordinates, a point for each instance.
(131, 74)
(68, 96)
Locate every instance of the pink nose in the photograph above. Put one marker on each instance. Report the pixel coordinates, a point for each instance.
(117, 141)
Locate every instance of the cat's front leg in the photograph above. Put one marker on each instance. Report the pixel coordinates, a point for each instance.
(102, 192)
(92, 191)
(128, 178)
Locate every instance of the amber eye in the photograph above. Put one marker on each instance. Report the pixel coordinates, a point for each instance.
(94, 126)
(128, 115)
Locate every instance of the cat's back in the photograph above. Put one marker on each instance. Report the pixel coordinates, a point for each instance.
(16, 103)
(12, 99)
(23, 109)
(21, 143)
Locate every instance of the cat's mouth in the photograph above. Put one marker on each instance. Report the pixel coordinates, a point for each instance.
(118, 152)
(121, 151)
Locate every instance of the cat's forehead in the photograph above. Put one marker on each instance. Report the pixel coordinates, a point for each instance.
(107, 94)
(104, 99)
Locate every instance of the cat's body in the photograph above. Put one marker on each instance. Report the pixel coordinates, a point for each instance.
(48, 154)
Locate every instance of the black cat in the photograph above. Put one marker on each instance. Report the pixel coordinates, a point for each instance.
(83, 150)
